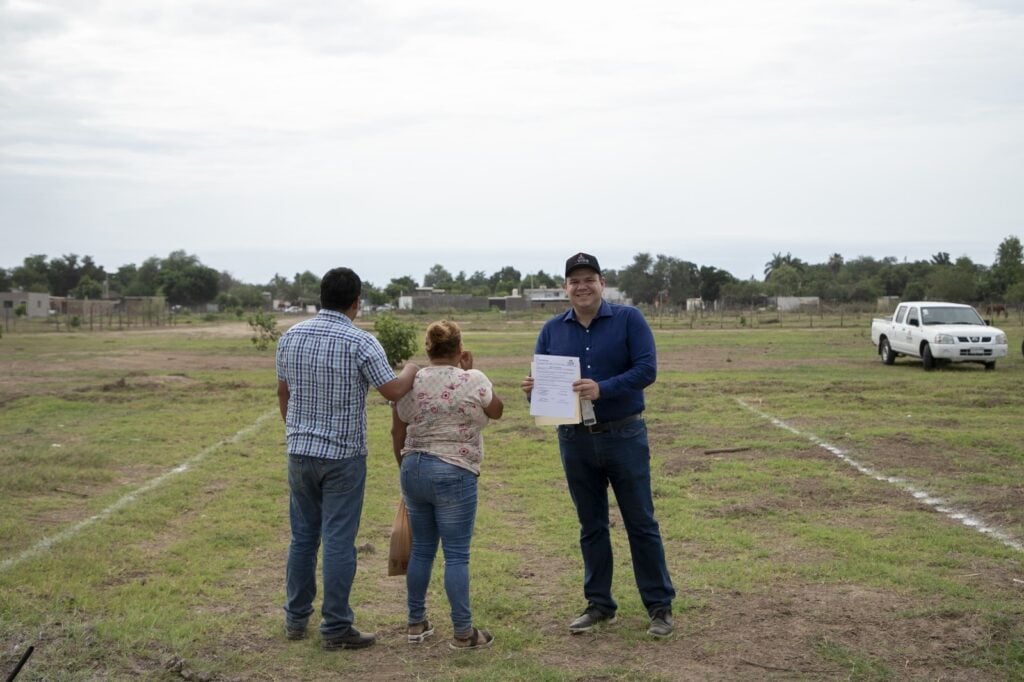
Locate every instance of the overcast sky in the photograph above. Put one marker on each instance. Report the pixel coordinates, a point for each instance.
(273, 137)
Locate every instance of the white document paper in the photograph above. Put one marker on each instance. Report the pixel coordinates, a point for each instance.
(553, 401)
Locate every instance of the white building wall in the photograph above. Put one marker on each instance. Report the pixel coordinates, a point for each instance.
(790, 303)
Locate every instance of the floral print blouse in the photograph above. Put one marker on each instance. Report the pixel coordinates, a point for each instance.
(445, 413)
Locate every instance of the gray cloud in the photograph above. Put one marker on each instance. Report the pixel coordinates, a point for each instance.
(670, 127)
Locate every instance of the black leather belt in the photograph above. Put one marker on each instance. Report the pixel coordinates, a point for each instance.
(611, 426)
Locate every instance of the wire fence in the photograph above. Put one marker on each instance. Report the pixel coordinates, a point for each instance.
(97, 318)
(90, 318)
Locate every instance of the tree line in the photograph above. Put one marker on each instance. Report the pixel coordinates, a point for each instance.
(657, 279)
(860, 280)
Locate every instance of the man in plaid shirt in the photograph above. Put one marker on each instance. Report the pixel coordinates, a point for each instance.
(325, 367)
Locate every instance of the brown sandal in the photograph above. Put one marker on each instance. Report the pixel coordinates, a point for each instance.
(480, 639)
(417, 632)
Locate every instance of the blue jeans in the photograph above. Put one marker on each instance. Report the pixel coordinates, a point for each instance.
(326, 503)
(441, 500)
(621, 458)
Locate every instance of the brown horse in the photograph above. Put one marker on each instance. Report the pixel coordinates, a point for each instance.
(996, 309)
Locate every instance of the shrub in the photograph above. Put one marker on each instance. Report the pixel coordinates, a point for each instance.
(398, 338)
(265, 332)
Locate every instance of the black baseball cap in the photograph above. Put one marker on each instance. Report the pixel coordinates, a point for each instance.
(581, 260)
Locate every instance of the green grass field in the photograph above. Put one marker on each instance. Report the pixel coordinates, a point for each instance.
(143, 516)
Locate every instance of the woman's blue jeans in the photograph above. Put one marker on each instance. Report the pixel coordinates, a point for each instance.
(326, 503)
(620, 458)
(441, 500)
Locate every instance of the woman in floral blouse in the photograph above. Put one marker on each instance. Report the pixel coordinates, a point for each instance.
(436, 437)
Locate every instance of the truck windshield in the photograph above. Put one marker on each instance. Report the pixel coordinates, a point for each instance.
(937, 315)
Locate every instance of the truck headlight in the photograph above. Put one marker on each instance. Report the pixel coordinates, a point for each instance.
(1000, 338)
(944, 338)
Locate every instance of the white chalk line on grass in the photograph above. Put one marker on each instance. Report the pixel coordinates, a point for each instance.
(46, 543)
(965, 517)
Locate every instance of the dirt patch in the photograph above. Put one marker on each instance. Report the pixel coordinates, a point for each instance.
(676, 466)
(704, 358)
(1001, 503)
(160, 380)
(141, 362)
(539, 576)
(239, 330)
(801, 630)
(934, 470)
(804, 631)
(122, 371)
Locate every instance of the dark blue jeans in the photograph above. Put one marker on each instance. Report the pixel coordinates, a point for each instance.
(441, 500)
(326, 504)
(621, 458)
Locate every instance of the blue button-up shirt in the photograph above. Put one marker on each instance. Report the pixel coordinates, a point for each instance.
(329, 365)
(617, 351)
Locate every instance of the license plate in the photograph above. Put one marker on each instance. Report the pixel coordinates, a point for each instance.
(975, 351)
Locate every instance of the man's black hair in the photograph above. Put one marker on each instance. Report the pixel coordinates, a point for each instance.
(339, 289)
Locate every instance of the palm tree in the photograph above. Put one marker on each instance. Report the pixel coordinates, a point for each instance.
(777, 260)
(835, 263)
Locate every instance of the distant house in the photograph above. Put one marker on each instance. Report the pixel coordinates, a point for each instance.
(508, 303)
(555, 298)
(546, 298)
(36, 305)
(887, 304)
(615, 295)
(82, 308)
(286, 306)
(795, 303)
(545, 294)
(426, 298)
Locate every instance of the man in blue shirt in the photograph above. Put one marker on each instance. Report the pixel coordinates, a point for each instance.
(325, 367)
(617, 361)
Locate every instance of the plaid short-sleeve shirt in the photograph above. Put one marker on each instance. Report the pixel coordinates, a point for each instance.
(329, 365)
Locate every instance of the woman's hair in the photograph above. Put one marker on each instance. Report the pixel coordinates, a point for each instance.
(444, 338)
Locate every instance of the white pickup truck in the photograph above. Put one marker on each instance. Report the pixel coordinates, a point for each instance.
(938, 332)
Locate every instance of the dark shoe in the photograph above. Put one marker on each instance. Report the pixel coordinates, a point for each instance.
(661, 623)
(294, 632)
(350, 640)
(418, 632)
(589, 619)
(480, 639)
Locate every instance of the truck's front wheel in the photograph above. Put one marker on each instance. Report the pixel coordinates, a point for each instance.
(927, 360)
(885, 350)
